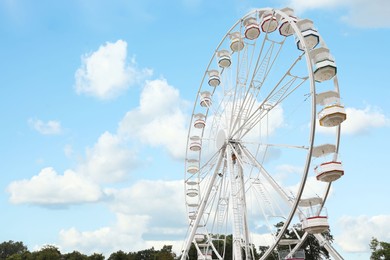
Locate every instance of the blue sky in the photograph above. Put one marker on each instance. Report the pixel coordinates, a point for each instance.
(86, 83)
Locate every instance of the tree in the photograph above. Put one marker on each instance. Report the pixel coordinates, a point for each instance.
(75, 255)
(48, 252)
(10, 248)
(96, 256)
(165, 253)
(380, 250)
(119, 255)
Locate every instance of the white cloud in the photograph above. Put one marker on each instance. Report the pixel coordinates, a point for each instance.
(106, 73)
(148, 197)
(51, 127)
(108, 161)
(149, 213)
(359, 121)
(50, 188)
(361, 13)
(159, 120)
(126, 233)
(302, 5)
(357, 232)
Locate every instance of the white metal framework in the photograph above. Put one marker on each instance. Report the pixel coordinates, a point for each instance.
(255, 157)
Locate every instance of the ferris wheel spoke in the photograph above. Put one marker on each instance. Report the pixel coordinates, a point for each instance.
(267, 176)
(290, 146)
(260, 72)
(277, 94)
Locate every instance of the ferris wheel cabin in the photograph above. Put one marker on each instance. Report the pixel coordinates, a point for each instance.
(205, 99)
(285, 28)
(214, 79)
(331, 168)
(224, 59)
(192, 166)
(333, 113)
(236, 42)
(252, 29)
(199, 121)
(269, 22)
(314, 218)
(310, 34)
(195, 144)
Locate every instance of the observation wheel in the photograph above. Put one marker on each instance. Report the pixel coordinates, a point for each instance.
(263, 142)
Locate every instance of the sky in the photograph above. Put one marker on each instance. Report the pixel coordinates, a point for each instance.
(95, 102)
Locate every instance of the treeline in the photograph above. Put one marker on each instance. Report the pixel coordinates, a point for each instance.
(18, 251)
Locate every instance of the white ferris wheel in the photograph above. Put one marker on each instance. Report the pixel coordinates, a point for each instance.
(263, 143)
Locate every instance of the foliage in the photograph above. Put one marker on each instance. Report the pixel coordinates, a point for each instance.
(17, 251)
(48, 252)
(164, 254)
(380, 250)
(75, 256)
(10, 248)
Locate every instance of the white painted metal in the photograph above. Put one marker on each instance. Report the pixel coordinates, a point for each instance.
(236, 134)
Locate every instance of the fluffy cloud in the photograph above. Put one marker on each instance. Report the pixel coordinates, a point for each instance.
(149, 213)
(360, 121)
(50, 188)
(125, 233)
(51, 127)
(159, 120)
(358, 231)
(361, 13)
(167, 197)
(108, 161)
(105, 73)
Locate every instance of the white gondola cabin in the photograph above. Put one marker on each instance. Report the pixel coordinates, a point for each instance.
(269, 22)
(192, 166)
(333, 113)
(236, 42)
(224, 59)
(199, 121)
(205, 99)
(325, 67)
(195, 144)
(329, 171)
(252, 29)
(192, 215)
(331, 168)
(192, 192)
(214, 79)
(199, 238)
(285, 28)
(315, 218)
(205, 253)
(310, 34)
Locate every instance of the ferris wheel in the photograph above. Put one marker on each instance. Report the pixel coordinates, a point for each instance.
(263, 142)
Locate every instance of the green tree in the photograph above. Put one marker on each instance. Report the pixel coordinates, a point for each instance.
(48, 252)
(165, 253)
(119, 255)
(75, 255)
(380, 250)
(10, 248)
(96, 256)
